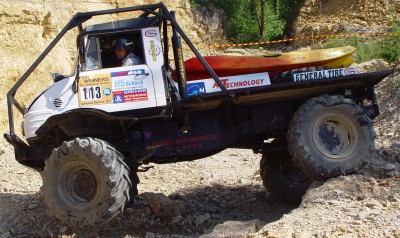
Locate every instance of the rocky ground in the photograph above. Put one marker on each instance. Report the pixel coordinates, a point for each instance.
(195, 197)
(223, 196)
(319, 17)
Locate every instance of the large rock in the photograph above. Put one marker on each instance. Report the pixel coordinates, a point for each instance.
(372, 66)
(234, 229)
(321, 17)
(163, 207)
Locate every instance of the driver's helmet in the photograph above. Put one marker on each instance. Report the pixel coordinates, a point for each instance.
(122, 42)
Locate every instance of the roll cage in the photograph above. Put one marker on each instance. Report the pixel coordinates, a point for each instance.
(154, 14)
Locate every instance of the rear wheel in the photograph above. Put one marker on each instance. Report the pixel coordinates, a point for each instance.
(330, 136)
(85, 182)
(282, 178)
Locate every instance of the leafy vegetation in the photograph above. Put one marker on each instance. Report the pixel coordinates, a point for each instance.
(387, 48)
(253, 20)
(367, 49)
(391, 47)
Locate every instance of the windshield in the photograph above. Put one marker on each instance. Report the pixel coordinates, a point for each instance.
(92, 55)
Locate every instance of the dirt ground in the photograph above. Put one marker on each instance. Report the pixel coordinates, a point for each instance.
(225, 186)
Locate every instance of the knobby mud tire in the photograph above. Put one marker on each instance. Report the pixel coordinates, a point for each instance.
(85, 182)
(282, 178)
(330, 136)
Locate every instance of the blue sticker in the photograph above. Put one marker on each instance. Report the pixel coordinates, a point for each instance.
(119, 98)
(196, 88)
(107, 91)
(157, 50)
(127, 73)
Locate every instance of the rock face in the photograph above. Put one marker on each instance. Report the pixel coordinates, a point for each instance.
(321, 17)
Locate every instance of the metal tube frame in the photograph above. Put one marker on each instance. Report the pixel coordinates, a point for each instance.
(77, 21)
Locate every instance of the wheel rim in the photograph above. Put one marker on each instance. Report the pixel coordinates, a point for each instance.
(334, 136)
(293, 173)
(78, 186)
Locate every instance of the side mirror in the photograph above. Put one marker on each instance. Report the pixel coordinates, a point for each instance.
(57, 77)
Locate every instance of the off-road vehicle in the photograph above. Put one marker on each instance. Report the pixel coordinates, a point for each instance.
(89, 133)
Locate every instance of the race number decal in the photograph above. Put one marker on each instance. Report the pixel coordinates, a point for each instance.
(91, 93)
(95, 90)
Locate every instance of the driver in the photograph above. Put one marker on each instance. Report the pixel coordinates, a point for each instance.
(124, 53)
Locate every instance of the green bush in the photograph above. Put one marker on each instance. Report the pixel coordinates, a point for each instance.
(367, 49)
(391, 46)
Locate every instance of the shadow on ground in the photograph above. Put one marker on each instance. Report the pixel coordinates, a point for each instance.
(26, 215)
(222, 203)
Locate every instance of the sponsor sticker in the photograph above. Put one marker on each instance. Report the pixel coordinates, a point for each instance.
(95, 89)
(150, 33)
(196, 88)
(133, 95)
(118, 97)
(123, 84)
(232, 84)
(202, 86)
(153, 50)
(107, 91)
(324, 74)
(125, 80)
(350, 71)
(128, 73)
(187, 143)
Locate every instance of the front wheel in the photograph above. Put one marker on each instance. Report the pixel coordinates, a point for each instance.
(282, 178)
(85, 182)
(330, 136)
